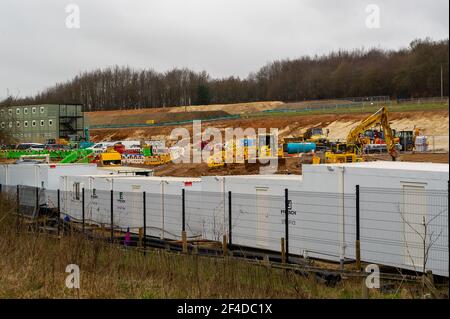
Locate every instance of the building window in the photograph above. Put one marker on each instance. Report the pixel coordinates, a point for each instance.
(10, 111)
(2, 112)
(17, 123)
(50, 122)
(10, 124)
(3, 124)
(25, 110)
(33, 110)
(17, 111)
(41, 109)
(33, 123)
(42, 122)
(25, 124)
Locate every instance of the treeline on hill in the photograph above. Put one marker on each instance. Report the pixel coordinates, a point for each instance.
(411, 72)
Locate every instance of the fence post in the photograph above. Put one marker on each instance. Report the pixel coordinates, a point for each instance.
(1, 188)
(82, 209)
(448, 238)
(183, 210)
(357, 242)
(230, 237)
(286, 222)
(58, 196)
(112, 215)
(144, 205)
(283, 252)
(183, 221)
(37, 205)
(17, 207)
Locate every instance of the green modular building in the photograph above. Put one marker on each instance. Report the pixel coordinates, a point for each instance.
(44, 122)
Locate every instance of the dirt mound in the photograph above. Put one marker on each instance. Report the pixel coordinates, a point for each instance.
(434, 124)
(291, 166)
(174, 114)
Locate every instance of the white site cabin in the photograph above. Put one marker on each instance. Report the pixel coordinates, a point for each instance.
(162, 195)
(322, 207)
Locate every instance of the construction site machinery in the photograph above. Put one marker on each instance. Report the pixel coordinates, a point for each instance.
(407, 139)
(316, 135)
(110, 157)
(248, 150)
(356, 135)
(342, 153)
(157, 159)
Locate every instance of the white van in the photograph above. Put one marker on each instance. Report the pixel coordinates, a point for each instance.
(100, 147)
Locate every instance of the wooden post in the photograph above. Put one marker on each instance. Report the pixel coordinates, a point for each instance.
(141, 233)
(364, 288)
(283, 252)
(184, 239)
(59, 212)
(112, 216)
(230, 236)
(225, 245)
(358, 256)
(286, 223)
(82, 210)
(357, 241)
(144, 213)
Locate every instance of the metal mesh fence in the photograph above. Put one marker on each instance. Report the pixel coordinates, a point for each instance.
(405, 227)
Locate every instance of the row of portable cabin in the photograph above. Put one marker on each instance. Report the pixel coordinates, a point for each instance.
(395, 199)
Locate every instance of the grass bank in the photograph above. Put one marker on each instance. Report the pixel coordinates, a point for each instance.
(33, 266)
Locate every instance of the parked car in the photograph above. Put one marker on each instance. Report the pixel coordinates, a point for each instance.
(100, 147)
(30, 146)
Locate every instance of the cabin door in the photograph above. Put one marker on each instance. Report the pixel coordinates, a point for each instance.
(413, 219)
(262, 218)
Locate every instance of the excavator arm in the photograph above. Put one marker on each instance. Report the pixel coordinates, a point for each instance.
(380, 116)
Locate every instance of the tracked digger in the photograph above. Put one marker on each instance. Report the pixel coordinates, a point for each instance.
(356, 136)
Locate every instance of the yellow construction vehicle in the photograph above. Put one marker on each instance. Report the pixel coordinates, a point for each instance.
(110, 157)
(342, 153)
(380, 117)
(242, 153)
(316, 135)
(157, 159)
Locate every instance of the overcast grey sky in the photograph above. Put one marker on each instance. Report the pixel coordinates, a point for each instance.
(223, 37)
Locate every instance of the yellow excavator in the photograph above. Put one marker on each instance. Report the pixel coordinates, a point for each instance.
(356, 136)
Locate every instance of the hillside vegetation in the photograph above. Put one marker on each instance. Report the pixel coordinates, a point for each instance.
(409, 72)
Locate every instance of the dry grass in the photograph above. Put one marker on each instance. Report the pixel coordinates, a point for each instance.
(33, 266)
